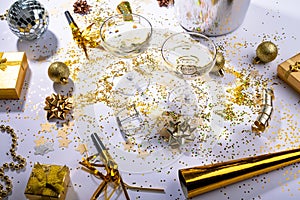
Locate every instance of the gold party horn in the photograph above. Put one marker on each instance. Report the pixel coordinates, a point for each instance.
(198, 180)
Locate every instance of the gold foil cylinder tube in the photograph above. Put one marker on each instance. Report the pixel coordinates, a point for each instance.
(267, 110)
(202, 179)
(268, 96)
(262, 119)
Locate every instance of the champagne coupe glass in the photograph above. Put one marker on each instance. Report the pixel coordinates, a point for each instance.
(126, 36)
(188, 55)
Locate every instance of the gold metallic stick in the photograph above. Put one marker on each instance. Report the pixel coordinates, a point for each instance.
(198, 180)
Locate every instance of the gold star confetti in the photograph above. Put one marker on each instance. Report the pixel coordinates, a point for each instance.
(143, 154)
(47, 127)
(62, 133)
(81, 148)
(64, 142)
(128, 145)
(40, 141)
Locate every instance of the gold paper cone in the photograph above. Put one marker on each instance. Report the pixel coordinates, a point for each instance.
(198, 180)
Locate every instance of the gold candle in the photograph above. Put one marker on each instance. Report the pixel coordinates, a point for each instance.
(198, 180)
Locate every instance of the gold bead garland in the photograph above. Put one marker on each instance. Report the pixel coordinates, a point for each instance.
(6, 189)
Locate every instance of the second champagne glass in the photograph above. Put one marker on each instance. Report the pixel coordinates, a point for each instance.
(126, 36)
(188, 55)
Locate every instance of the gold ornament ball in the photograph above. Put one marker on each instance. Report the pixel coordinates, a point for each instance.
(59, 72)
(220, 62)
(266, 52)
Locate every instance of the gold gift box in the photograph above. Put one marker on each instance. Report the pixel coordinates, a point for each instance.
(13, 66)
(289, 71)
(48, 182)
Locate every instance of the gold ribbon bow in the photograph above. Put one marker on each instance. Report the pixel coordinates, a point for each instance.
(294, 67)
(4, 63)
(177, 131)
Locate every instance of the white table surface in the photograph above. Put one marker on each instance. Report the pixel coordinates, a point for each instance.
(275, 20)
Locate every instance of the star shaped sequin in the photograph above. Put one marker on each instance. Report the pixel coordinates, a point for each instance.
(64, 142)
(40, 141)
(143, 154)
(47, 126)
(81, 148)
(43, 149)
(128, 145)
(62, 133)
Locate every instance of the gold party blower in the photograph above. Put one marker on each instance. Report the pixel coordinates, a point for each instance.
(198, 180)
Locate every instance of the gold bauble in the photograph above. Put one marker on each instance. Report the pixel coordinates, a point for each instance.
(220, 62)
(59, 72)
(265, 52)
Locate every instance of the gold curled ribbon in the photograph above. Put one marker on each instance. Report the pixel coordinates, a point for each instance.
(262, 121)
(4, 62)
(112, 176)
(294, 67)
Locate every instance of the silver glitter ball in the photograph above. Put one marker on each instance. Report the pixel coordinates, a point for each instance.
(28, 19)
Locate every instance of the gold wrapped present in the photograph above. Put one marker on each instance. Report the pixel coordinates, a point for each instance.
(48, 182)
(13, 66)
(289, 71)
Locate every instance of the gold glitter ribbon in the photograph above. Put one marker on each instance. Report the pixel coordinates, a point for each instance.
(294, 67)
(4, 62)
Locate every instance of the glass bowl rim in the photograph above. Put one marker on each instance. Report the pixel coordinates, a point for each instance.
(189, 33)
(118, 15)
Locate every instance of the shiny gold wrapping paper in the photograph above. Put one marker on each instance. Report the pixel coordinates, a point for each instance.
(48, 182)
(284, 73)
(12, 74)
(198, 180)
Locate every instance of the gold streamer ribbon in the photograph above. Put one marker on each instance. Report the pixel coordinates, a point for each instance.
(4, 62)
(113, 176)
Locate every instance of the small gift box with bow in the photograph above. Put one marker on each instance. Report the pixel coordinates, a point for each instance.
(48, 182)
(13, 66)
(289, 71)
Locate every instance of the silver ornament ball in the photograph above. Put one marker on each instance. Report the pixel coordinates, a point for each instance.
(28, 19)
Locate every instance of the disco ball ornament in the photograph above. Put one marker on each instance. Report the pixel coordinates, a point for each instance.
(28, 19)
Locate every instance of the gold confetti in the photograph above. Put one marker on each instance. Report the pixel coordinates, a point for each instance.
(47, 127)
(40, 141)
(81, 148)
(64, 142)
